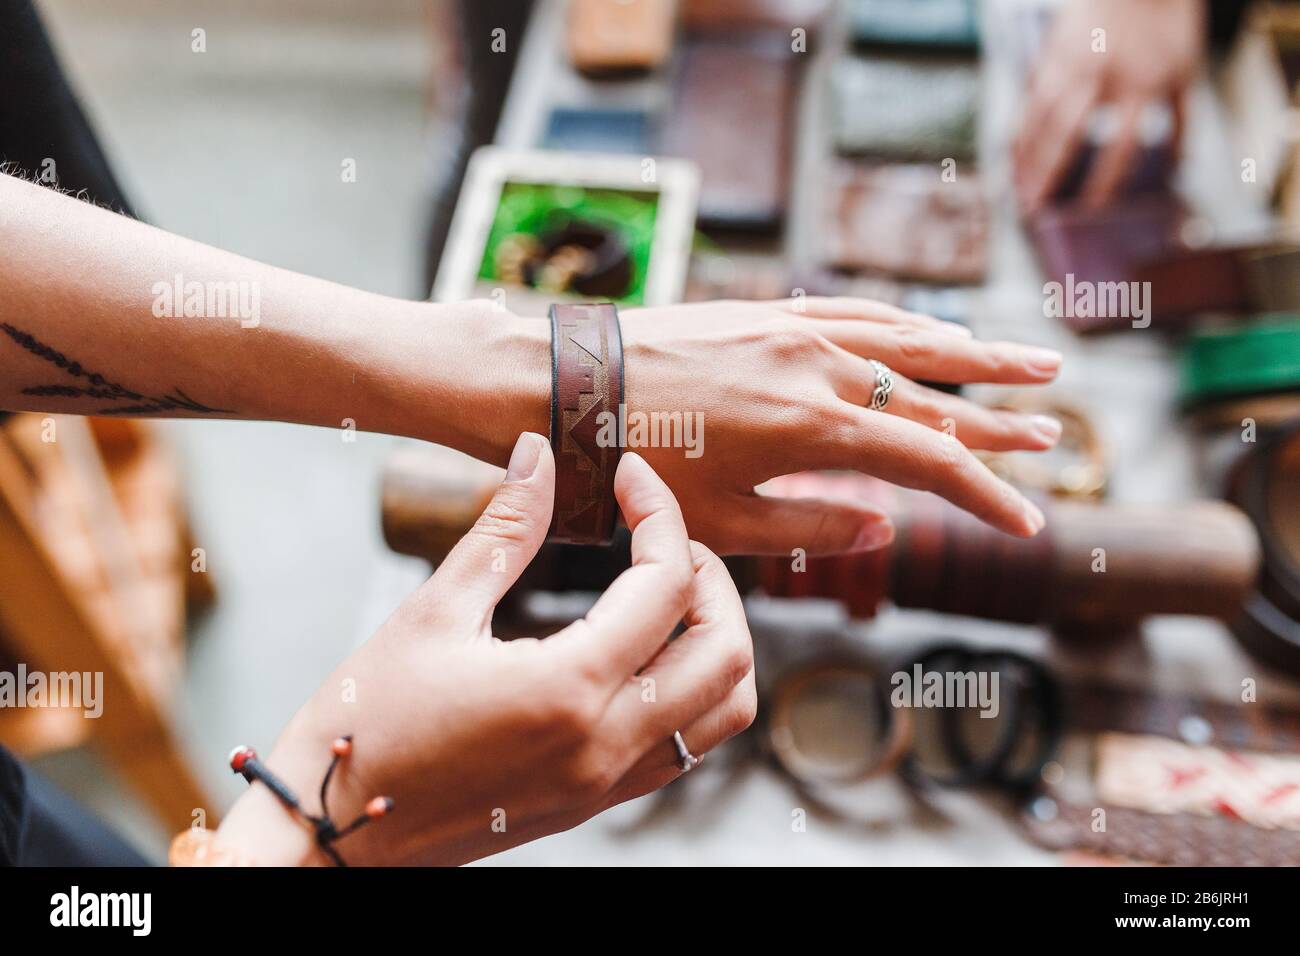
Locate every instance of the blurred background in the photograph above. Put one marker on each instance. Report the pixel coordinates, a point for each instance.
(862, 147)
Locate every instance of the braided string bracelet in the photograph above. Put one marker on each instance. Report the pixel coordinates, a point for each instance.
(244, 761)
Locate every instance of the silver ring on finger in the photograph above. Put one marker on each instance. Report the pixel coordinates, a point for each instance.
(686, 760)
(884, 386)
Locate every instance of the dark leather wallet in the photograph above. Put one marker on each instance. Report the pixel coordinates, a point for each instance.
(905, 108)
(1077, 245)
(907, 222)
(732, 114)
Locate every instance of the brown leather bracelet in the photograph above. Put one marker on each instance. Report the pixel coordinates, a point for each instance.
(586, 402)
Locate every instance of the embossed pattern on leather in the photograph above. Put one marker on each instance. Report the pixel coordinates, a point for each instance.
(586, 395)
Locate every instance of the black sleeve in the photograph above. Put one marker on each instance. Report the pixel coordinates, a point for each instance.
(1226, 17)
(40, 117)
(41, 825)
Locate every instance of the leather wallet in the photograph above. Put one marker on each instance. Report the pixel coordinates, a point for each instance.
(620, 36)
(1235, 279)
(905, 221)
(732, 114)
(1077, 245)
(950, 24)
(905, 108)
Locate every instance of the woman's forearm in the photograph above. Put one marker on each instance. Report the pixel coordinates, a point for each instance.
(103, 315)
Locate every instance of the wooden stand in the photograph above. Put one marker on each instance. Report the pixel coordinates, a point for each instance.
(94, 576)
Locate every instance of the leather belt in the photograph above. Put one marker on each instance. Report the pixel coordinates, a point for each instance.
(586, 405)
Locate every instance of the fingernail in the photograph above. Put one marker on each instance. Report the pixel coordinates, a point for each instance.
(523, 460)
(1042, 360)
(1034, 516)
(1047, 428)
(873, 536)
(957, 329)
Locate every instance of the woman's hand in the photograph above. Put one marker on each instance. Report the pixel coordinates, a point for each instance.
(485, 744)
(1153, 49)
(784, 386)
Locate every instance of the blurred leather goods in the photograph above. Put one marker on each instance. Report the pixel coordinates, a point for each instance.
(1158, 771)
(1266, 484)
(610, 37)
(732, 114)
(1175, 839)
(945, 24)
(905, 109)
(829, 722)
(1078, 246)
(1169, 776)
(599, 131)
(1196, 558)
(907, 222)
(1258, 358)
(1230, 279)
(1003, 741)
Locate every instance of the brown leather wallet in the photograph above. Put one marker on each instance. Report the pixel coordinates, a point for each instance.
(745, 178)
(586, 401)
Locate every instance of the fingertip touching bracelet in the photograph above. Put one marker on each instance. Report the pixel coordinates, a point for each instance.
(244, 761)
(587, 402)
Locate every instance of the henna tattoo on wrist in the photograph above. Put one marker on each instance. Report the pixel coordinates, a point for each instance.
(100, 388)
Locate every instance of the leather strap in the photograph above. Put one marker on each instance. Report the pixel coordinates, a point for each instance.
(586, 402)
(1180, 839)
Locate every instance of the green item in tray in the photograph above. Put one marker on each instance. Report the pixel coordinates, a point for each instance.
(536, 209)
(1257, 358)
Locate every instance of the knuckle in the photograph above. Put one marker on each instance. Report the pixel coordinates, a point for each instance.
(915, 344)
(788, 340)
(505, 519)
(953, 457)
(575, 710)
(742, 711)
(679, 585)
(589, 774)
(740, 661)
